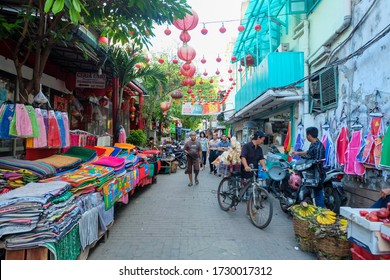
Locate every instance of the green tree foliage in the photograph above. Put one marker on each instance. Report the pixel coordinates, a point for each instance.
(137, 137)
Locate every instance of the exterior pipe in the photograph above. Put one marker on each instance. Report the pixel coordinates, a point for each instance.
(306, 50)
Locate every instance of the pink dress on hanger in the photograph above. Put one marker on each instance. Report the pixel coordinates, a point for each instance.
(352, 166)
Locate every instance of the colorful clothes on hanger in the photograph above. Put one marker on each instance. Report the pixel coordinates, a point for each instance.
(329, 149)
(7, 114)
(341, 145)
(21, 123)
(371, 143)
(385, 159)
(352, 166)
(53, 137)
(299, 143)
(41, 140)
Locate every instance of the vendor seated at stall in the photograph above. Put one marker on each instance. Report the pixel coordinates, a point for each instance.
(383, 200)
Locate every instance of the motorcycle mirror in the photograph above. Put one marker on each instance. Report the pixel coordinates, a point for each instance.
(251, 166)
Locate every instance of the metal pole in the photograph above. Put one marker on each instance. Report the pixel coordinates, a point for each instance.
(269, 25)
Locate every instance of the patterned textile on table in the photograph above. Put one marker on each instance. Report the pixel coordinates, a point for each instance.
(88, 227)
(68, 247)
(40, 169)
(80, 152)
(111, 193)
(61, 162)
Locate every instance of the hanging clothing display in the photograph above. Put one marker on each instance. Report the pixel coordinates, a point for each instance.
(53, 134)
(329, 149)
(7, 113)
(341, 146)
(385, 159)
(299, 143)
(122, 135)
(352, 166)
(372, 145)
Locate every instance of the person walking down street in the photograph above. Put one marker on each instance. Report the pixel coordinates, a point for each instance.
(213, 152)
(252, 153)
(316, 151)
(193, 150)
(204, 142)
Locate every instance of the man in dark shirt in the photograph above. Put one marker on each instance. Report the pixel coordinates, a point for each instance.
(251, 152)
(316, 151)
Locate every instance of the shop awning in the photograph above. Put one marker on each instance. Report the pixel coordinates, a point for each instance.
(268, 101)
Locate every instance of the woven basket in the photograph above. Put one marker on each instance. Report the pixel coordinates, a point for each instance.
(306, 244)
(301, 228)
(332, 248)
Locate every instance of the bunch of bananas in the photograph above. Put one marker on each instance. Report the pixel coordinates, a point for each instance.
(325, 216)
(303, 210)
(343, 224)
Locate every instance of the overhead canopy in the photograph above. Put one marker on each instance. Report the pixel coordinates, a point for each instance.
(268, 102)
(260, 43)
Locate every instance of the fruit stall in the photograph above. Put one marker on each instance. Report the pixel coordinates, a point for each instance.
(320, 231)
(369, 231)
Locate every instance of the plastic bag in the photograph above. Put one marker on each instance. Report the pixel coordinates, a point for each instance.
(40, 98)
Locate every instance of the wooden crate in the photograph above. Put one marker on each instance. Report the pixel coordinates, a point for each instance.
(39, 253)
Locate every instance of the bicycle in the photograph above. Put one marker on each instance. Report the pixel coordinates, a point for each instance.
(259, 205)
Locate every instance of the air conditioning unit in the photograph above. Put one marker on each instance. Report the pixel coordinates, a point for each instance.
(283, 47)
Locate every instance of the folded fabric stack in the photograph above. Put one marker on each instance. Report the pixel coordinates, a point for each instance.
(32, 171)
(20, 209)
(117, 163)
(86, 155)
(60, 214)
(62, 162)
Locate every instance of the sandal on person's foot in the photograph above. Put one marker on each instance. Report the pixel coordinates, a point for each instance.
(190, 184)
(196, 182)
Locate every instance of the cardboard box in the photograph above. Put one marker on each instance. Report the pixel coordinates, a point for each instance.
(364, 232)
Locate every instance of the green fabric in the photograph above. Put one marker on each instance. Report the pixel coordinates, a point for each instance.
(385, 157)
(79, 152)
(68, 247)
(61, 198)
(151, 170)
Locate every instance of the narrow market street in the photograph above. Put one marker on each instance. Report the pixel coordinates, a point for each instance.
(169, 220)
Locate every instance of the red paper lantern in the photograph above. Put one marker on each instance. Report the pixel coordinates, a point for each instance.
(177, 94)
(133, 109)
(103, 40)
(222, 29)
(231, 79)
(205, 73)
(221, 80)
(185, 36)
(211, 81)
(218, 59)
(239, 69)
(257, 27)
(175, 61)
(233, 84)
(147, 59)
(234, 58)
(230, 70)
(203, 60)
(189, 22)
(188, 69)
(186, 53)
(201, 82)
(199, 90)
(164, 106)
(138, 66)
(204, 31)
(217, 72)
(161, 61)
(241, 28)
(167, 31)
(189, 81)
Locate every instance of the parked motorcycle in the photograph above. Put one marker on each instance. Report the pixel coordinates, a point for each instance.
(292, 183)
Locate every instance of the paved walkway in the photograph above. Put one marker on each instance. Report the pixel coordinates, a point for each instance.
(169, 220)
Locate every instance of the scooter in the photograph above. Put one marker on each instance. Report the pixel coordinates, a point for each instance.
(292, 183)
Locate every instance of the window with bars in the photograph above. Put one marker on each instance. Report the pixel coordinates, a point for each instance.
(323, 88)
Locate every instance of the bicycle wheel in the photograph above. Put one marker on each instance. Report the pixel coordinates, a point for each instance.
(260, 208)
(225, 193)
